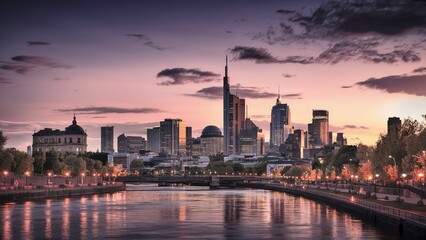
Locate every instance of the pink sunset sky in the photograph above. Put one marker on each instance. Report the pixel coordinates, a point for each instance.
(131, 64)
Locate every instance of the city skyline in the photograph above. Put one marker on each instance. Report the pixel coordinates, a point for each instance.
(133, 64)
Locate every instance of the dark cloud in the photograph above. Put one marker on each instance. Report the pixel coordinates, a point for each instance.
(284, 11)
(35, 43)
(261, 55)
(287, 75)
(40, 61)
(106, 110)
(346, 86)
(414, 85)
(243, 92)
(228, 31)
(17, 68)
(355, 49)
(240, 20)
(419, 70)
(355, 30)
(146, 41)
(184, 75)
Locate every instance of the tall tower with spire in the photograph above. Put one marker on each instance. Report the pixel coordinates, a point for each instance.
(280, 126)
(233, 117)
(226, 120)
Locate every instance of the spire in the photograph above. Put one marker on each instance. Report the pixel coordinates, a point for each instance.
(74, 122)
(279, 95)
(226, 66)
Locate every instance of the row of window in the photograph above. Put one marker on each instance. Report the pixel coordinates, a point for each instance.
(59, 140)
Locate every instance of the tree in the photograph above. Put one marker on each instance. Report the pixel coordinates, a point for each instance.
(259, 168)
(237, 168)
(22, 162)
(3, 140)
(39, 160)
(52, 161)
(365, 171)
(6, 160)
(77, 165)
(136, 164)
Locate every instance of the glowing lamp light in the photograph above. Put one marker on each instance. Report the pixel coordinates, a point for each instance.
(27, 173)
(421, 175)
(404, 175)
(5, 173)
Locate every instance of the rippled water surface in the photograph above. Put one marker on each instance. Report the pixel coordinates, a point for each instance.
(149, 212)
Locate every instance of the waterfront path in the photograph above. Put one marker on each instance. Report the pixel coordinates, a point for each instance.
(52, 192)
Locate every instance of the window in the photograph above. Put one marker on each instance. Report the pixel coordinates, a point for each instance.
(59, 140)
(78, 140)
(70, 140)
(45, 140)
(65, 140)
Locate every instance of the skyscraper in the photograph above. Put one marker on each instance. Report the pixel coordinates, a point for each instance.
(252, 141)
(280, 124)
(233, 117)
(173, 137)
(130, 144)
(318, 129)
(153, 139)
(107, 139)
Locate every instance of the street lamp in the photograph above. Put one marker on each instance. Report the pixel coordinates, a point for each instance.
(82, 178)
(421, 182)
(375, 184)
(26, 177)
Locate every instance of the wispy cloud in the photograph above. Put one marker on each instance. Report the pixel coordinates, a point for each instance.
(40, 61)
(419, 70)
(288, 75)
(15, 67)
(181, 76)
(37, 43)
(261, 55)
(350, 126)
(361, 49)
(107, 110)
(414, 85)
(244, 92)
(146, 41)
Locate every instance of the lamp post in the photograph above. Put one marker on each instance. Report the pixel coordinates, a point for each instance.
(82, 179)
(421, 182)
(26, 177)
(403, 177)
(375, 183)
(4, 177)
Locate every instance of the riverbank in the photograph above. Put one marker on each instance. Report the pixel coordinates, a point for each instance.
(409, 224)
(39, 193)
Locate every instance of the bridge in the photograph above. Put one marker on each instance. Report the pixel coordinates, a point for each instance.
(212, 181)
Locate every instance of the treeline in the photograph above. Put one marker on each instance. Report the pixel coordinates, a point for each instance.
(392, 156)
(19, 163)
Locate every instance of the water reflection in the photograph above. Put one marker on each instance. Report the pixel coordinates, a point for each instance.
(220, 214)
(48, 218)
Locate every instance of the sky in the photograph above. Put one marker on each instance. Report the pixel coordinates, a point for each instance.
(132, 64)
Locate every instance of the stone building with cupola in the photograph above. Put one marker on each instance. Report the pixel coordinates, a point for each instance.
(73, 139)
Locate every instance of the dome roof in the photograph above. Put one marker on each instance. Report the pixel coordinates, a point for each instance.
(74, 129)
(211, 131)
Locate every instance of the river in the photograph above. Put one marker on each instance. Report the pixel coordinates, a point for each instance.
(151, 212)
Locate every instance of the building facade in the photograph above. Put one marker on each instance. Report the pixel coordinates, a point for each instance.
(130, 144)
(280, 126)
(173, 137)
(233, 117)
(318, 129)
(107, 139)
(73, 139)
(252, 140)
(153, 139)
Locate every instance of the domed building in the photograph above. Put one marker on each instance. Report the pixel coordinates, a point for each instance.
(210, 142)
(73, 139)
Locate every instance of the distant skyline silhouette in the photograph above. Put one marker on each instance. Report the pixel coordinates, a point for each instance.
(131, 64)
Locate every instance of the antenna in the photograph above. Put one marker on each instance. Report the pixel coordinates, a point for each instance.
(247, 112)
